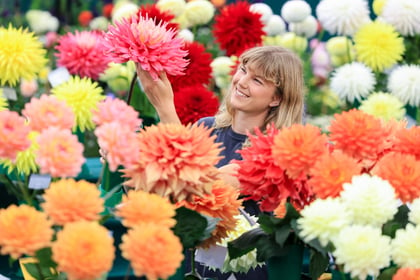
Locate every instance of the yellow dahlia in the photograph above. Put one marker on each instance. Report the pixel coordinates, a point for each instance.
(139, 207)
(3, 102)
(378, 45)
(21, 55)
(153, 251)
(25, 160)
(175, 161)
(83, 96)
(83, 250)
(383, 105)
(24, 230)
(222, 203)
(69, 201)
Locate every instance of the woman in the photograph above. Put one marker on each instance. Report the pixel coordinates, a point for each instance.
(267, 87)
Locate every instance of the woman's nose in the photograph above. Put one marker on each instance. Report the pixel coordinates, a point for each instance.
(243, 81)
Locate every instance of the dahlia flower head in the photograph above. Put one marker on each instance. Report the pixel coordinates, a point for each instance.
(151, 45)
(383, 105)
(275, 26)
(402, 14)
(342, 17)
(295, 11)
(405, 251)
(404, 83)
(175, 161)
(14, 134)
(199, 12)
(22, 53)
(41, 21)
(306, 28)
(82, 53)
(176, 7)
(263, 9)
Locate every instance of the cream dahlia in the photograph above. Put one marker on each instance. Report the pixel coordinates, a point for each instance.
(404, 83)
(405, 251)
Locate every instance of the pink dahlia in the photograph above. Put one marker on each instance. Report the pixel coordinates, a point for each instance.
(198, 70)
(13, 134)
(116, 110)
(151, 45)
(237, 28)
(120, 142)
(194, 102)
(153, 12)
(60, 154)
(82, 53)
(48, 111)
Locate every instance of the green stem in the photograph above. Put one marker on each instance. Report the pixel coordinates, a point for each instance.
(38, 268)
(130, 91)
(26, 194)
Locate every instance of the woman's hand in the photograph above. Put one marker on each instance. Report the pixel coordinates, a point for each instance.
(229, 174)
(160, 94)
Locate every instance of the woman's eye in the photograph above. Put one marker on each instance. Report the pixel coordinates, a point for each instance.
(258, 81)
(243, 69)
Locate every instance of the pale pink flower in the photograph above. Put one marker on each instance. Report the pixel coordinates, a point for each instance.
(13, 134)
(48, 111)
(82, 53)
(28, 87)
(119, 142)
(151, 45)
(115, 109)
(60, 154)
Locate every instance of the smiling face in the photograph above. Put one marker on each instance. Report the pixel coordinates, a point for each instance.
(251, 93)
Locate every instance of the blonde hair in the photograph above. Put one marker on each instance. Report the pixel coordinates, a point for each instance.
(282, 67)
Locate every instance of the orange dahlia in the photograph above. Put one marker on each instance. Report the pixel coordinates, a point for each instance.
(60, 154)
(330, 172)
(68, 201)
(296, 148)
(402, 171)
(222, 203)
(153, 251)
(13, 134)
(139, 207)
(407, 141)
(175, 161)
(407, 273)
(24, 230)
(358, 134)
(48, 111)
(83, 250)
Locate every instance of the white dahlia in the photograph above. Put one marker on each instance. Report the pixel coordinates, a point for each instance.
(414, 214)
(275, 26)
(295, 10)
(403, 15)
(404, 82)
(406, 247)
(342, 17)
(370, 200)
(363, 250)
(306, 28)
(263, 9)
(353, 81)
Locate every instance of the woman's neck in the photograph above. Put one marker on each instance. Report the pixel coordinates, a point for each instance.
(242, 123)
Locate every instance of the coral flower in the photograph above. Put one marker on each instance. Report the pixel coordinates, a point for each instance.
(297, 148)
(60, 154)
(83, 96)
(237, 18)
(84, 18)
(153, 251)
(198, 70)
(120, 142)
(378, 45)
(152, 11)
(13, 134)
(22, 55)
(83, 250)
(175, 161)
(25, 160)
(82, 53)
(151, 45)
(69, 201)
(194, 102)
(402, 171)
(107, 10)
(48, 111)
(358, 134)
(330, 172)
(222, 203)
(407, 140)
(24, 230)
(407, 273)
(138, 207)
(116, 110)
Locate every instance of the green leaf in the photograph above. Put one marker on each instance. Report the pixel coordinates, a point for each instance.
(39, 272)
(318, 264)
(245, 243)
(267, 247)
(387, 273)
(44, 257)
(190, 227)
(281, 234)
(400, 220)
